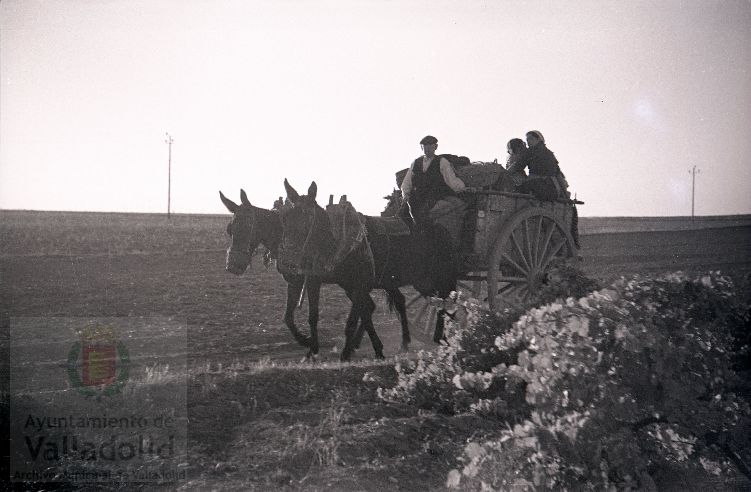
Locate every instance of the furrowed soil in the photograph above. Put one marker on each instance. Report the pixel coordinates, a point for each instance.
(259, 418)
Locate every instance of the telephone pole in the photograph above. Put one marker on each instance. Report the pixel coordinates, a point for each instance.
(169, 141)
(693, 173)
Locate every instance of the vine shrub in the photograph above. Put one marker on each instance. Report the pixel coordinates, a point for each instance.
(599, 391)
(470, 352)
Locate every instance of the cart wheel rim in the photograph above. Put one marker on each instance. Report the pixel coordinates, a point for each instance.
(522, 255)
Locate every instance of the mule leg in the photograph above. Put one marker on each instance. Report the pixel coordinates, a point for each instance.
(366, 317)
(438, 335)
(349, 329)
(360, 331)
(447, 285)
(401, 309)
(293, 295)
(314, 295)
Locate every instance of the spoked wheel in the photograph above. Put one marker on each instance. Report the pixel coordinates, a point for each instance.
(523, 254)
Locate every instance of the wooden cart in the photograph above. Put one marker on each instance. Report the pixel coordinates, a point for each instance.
(515, 239)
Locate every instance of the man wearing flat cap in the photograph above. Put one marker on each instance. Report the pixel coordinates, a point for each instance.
(430, 188)
(429, 180)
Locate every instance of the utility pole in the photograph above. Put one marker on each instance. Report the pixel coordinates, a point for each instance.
(693, 173)
(169, 141)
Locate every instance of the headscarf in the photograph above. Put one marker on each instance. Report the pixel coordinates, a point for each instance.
(537, 134)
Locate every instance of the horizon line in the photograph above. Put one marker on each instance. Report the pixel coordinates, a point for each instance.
(14, 210)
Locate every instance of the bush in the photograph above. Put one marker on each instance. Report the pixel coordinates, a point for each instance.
(459, 374)
(739, 328)
(431, 382)
(597, 392)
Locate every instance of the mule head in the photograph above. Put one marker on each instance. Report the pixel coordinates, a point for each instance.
(294, 197)
(244, 230)
(307, 237)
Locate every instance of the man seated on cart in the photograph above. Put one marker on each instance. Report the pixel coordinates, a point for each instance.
(430, 189)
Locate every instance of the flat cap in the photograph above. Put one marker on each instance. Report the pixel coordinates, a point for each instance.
(430, 139)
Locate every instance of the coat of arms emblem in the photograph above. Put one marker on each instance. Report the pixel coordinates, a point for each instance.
(98, 363)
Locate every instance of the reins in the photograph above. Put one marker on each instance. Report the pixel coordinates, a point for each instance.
(250, 234)
(302, 255)
(309, 236)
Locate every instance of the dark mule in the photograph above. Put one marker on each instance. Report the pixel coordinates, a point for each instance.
(251, 226)
(416, 259)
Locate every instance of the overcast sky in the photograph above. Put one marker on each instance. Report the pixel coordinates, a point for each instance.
(630, 95)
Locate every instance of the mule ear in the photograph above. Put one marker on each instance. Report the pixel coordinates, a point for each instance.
(244, 198)
(291, 193)
(313, 190)
(231, 206)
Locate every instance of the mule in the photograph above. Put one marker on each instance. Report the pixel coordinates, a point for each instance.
(251, 226)
(416, 259)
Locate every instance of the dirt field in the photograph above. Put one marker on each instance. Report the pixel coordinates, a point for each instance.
(269, 424)
(233, 318)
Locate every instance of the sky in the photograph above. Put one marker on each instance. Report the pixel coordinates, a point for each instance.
(630, 95)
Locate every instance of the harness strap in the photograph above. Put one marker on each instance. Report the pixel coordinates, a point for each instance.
(369, 253)
(309, 236)
(385, 263)
(250, 235)
(302, 292)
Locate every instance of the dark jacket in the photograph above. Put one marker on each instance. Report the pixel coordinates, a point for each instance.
(541, 161)
(515, 165)
(542, 164)
(428, 187)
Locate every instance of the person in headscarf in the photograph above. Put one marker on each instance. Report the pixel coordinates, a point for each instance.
(545, 181)
(517, 151)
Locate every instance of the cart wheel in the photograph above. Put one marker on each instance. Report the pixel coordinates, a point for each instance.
(522, 255)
